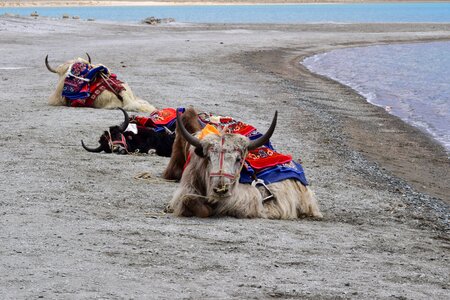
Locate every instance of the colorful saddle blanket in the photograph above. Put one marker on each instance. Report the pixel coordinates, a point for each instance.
(160, 120)
(85, 82)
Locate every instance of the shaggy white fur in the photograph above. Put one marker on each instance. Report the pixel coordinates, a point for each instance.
(194, 196)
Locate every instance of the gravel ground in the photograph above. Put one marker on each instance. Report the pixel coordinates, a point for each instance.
(79, 225)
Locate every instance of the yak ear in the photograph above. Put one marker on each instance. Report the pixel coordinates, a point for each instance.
(199, 151)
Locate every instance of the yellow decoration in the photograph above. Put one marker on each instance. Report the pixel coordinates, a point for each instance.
(208, 129)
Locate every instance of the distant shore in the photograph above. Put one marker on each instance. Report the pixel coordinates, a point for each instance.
(58, 3)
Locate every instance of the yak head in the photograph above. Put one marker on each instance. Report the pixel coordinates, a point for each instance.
(223, 157)
(113, 140)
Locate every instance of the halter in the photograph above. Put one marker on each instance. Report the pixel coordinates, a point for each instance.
(122, 142)
(221, 172)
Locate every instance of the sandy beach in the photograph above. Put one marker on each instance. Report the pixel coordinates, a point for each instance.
(79, 225)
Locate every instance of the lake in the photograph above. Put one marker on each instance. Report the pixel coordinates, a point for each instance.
(276, 14)
(411, 81)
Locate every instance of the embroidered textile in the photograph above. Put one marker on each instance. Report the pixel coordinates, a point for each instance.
(84, 83)
(159, 120)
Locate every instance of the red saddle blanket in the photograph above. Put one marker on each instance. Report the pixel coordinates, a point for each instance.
(162, 117)
(264, 157)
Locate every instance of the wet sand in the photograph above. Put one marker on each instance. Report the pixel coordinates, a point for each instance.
(77, 224)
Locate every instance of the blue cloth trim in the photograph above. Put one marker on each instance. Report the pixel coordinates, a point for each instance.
(291, 170)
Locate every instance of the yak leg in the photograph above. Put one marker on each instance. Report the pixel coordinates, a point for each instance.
(185, 203)
(195, 207)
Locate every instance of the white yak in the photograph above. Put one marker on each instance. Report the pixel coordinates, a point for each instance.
(210, 183)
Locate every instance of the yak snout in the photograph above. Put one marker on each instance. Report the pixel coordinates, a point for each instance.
(221, 186)
(221, 190)
(119, 149)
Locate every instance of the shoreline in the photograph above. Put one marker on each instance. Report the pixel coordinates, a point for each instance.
(46, 3)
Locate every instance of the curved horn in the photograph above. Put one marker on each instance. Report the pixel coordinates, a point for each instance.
(48, 65)
(265, 138)
(89, 58)
(125, 123)
(96, 150)
(188, 137)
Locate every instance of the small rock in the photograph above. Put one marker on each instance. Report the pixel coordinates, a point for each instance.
(154, 21)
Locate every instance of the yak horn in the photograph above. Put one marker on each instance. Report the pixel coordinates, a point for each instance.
(125, 123)
(89, 58)
(96, 150)
(188, 137)
(48, 66)
(266, 137)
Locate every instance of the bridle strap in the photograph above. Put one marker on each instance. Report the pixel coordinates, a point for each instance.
(221, 172)
(122, 142)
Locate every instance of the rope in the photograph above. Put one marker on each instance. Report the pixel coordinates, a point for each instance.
(105, 79)
(194, 195)
(154, 214)
(151, 178)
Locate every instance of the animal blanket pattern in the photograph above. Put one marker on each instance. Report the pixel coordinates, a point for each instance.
(159, 120)
(84, 83)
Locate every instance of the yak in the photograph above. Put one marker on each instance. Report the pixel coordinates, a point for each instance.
(98, 88)
(180, 147)
(210, 186)
(122, 141)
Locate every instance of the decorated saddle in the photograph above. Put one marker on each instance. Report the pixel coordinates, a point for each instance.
(85, 82)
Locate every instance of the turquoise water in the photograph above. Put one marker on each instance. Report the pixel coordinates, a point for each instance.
(307, 13)
(411, 81)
